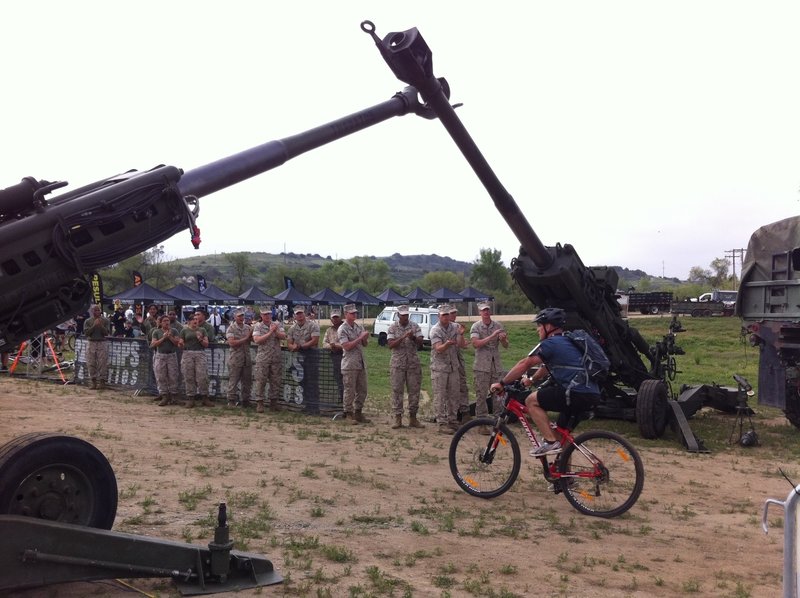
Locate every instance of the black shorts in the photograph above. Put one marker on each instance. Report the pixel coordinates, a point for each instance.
(553, 397)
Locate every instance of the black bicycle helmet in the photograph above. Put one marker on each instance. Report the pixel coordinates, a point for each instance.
(551, 315)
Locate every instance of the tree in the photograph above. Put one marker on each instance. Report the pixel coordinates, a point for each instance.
(155, 267)
(489, 273)
(242, 268)
(719, 267)
(372, 274)
(433, 281)
(698, 275)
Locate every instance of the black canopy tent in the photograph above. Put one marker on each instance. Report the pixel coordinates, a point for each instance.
(214, 294)
(362, 298)
(255, 295)
(186, 296)
(392, 297)
(144, 293)
(420, 296)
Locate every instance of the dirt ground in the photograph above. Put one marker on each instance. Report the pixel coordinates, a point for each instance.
(368, 511)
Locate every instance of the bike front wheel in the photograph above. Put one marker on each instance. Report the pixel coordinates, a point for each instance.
(601, 474)
(484, 465)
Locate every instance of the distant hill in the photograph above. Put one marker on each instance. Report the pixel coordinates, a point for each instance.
(404, 268)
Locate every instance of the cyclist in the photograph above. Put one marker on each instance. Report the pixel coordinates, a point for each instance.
(561, 359)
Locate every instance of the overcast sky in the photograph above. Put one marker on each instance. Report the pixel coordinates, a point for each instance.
(650, 135)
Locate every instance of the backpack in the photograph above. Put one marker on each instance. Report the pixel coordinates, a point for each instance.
(595, 361)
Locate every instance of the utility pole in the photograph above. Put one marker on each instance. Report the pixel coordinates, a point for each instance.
(732, 254)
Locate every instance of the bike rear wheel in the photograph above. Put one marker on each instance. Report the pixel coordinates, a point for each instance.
(484, 466)
(70, 339)
(603, 474)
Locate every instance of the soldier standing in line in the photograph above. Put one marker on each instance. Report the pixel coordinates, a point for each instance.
(96, 329)
(331, 343)
(445, 338)
(267, 335)
(405, 372)
(240, 362)
(150, 322)
(463, 390)
(303, 338)
(173, 321)
(353, 339)
(166, 342)
(487, 335)
(205, 325)
(194, 365)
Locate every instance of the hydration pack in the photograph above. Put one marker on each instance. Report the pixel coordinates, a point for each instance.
(594, 361)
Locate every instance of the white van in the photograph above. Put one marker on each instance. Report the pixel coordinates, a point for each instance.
(426, 317)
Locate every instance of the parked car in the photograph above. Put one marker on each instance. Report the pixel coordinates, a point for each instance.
(426, 317)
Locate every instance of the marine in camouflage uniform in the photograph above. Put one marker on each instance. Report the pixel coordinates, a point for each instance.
(353, 339)
(240, 362)
(96, 329)
(267, 335)
(150, 323)
(486, 335)
(331, 343)
(445, 338)
(405, 372)
(463, 390)
(166, 342)
(194, 365)
(203, 323)
(303, 338)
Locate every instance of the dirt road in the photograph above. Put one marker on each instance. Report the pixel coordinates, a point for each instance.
(368, 511)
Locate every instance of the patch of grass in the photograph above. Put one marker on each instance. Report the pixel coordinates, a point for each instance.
(190, 498)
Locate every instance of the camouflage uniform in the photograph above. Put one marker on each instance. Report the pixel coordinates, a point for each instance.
(166, 365)
(332, 338)
(308, 360)
(444, 375)
(240, 363)
(148, 326)
(269, 363)
(404, 368)
(194, 365)
(96, 331)
(354, 370)
(487, 368)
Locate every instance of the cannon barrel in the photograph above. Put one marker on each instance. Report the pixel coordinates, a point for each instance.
(50, 246)
(410, 59)
(225, 172)
(549, 276)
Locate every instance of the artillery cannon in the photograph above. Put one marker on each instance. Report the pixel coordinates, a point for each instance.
(50, 247)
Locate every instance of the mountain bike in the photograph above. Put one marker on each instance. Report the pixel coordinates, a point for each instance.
(600, 473)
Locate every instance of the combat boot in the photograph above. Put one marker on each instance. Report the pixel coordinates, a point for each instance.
(173, 398)
(359, 417)
(207, 402)
(260, 406)
(190, 402)
(398, 422)
(93, 386)
(413, 422)
(101, 384)
(164, 400)
(274, 407)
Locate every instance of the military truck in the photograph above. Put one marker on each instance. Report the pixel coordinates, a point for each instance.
(650, 303)
(769, 305)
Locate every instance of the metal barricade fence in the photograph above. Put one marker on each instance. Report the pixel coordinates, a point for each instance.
(791, 583)
(311, 378)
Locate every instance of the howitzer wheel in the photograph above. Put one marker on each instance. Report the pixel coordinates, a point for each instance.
(651, 408)
(58, 478)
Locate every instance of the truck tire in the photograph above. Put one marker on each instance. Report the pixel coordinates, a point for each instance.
(696, 313)
(651, 409)
(58, 478)
(654, 310)
(382, 340)
(792, 408)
